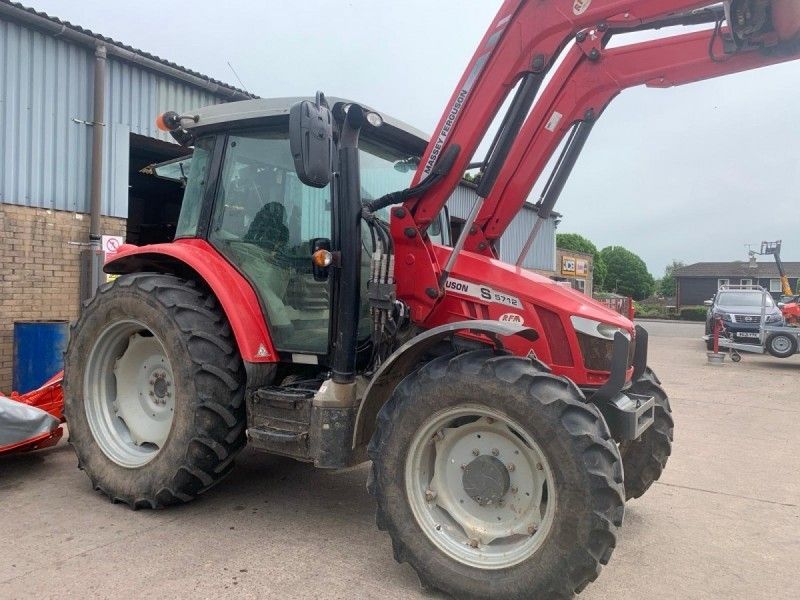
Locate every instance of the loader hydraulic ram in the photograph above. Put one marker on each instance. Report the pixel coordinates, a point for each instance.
(314, 306)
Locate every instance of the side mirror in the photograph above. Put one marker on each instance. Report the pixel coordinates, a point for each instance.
(708, 302)
(321, 258)
(311, 141)
(781, 304)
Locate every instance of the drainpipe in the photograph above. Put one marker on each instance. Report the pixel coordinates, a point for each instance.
(93, 276)
(98, 122)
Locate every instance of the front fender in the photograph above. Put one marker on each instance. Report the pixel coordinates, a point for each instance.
(407, 356)
(197, 259)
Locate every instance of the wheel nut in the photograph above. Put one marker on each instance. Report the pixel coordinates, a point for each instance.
(489, 420)
(473, 543)
(511, 467)
(430, 495)
(476, 452)
(540, 466)
(532, 529)
(438, 436)
(495, 452)
(514, 489)
(463, 467)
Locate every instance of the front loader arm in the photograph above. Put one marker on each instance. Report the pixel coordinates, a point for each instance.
(589, 78)
(525, 38)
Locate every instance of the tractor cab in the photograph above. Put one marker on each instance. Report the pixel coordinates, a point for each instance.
(243, 196)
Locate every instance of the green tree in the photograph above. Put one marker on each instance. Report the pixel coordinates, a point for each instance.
(668, 285)
(627, 273)
(577, 243)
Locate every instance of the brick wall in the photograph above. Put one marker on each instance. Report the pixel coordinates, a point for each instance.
(40, 269)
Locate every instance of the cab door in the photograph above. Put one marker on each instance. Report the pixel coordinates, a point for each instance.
(264, 221)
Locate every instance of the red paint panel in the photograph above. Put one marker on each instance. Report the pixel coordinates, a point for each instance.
(233, 291)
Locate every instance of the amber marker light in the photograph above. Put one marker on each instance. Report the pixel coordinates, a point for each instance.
(168, 121)
(322, 258)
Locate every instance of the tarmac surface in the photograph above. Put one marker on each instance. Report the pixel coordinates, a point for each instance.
(723, 521)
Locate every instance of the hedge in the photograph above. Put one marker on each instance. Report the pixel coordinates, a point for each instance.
(694, 313)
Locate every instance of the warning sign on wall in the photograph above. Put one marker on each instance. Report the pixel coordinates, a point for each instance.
(110, 245)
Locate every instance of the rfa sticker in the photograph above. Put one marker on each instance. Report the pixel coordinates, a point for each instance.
(512, 318)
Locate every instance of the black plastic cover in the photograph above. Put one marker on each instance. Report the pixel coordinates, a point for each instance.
(311, 141)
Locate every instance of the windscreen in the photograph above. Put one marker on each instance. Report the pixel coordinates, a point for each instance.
(743, 299)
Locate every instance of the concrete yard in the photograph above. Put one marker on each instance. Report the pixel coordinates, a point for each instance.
(723, 522)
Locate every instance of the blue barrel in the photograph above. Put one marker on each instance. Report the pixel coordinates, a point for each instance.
(39, 348)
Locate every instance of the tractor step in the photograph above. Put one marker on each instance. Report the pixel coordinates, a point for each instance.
(278, 420)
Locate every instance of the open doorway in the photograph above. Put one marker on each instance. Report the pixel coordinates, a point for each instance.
(154, 203)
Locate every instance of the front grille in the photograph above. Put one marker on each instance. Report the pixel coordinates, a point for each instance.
(597, 352)
(747, 318)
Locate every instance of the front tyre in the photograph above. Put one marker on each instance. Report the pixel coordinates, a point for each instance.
(644, 459)
(154, 389)
(495, 479)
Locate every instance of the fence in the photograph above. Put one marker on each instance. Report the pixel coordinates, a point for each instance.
(623, 306)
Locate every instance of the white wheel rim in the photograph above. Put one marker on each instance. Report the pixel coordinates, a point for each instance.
(129, 393)
(486, 533)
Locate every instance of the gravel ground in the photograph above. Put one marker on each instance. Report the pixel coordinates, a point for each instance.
(723, 522)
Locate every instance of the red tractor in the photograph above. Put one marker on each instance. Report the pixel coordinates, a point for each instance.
(309, 309)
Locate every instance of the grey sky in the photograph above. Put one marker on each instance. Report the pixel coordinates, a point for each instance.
(691, 173)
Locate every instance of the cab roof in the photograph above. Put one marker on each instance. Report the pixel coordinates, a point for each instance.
(261, 109)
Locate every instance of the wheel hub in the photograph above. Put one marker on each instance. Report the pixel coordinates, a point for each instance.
(160, 387)
(486, 480)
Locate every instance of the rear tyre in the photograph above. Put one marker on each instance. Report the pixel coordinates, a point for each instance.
(645, 459)
(495, 479)
(154, 390)
(782, 345)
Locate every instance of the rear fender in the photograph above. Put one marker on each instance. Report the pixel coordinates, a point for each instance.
(198, 260)
(405, 359)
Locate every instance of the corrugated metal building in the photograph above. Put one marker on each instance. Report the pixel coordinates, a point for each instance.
(47, 123)
(47, 104)
(542, 255)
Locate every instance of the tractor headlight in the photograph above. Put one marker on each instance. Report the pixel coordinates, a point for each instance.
(596, 341)
(597, 329)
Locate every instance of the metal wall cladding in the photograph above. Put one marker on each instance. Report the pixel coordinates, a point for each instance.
(46, 99)
(542, 255)
(134, 98)
(45, 83)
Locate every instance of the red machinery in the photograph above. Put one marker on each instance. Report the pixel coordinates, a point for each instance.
(790, 307)
(506, 417)
(32, 430)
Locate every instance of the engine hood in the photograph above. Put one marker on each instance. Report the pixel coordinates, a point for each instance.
(531, 287)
